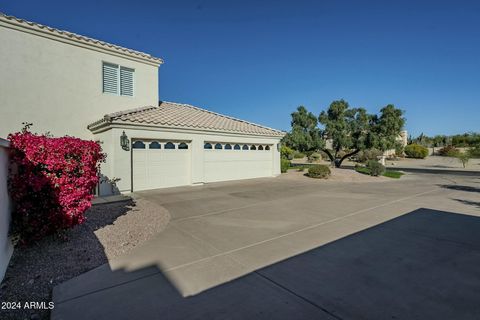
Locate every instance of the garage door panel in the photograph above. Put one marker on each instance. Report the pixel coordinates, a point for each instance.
(140, 174)
(161, 168)
(224, 165)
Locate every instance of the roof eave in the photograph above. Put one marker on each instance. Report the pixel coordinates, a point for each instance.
(107, 123)
(70, 37)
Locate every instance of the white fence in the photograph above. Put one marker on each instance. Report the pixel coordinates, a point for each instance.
(6, 248)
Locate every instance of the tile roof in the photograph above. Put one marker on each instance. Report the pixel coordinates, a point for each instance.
(169, 114)
(78, 38)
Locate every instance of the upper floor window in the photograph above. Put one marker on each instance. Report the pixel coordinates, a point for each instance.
(117, 79)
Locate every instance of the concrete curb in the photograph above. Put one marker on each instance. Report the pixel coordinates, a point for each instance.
(437, 171)
(110, 199)
(412, 170)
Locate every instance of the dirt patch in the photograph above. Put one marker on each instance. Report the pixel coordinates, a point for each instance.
(338, 175)
(110, 231)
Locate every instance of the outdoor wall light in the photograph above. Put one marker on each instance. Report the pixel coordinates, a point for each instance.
(124, 142)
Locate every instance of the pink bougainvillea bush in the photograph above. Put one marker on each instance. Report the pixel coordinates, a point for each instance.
(51, 182)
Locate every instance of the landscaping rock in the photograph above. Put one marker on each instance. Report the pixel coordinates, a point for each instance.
(110, 230)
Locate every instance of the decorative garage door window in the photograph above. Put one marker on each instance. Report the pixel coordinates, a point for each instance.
(138, 145)
(168, 145)
(231, 146)
(154, 145)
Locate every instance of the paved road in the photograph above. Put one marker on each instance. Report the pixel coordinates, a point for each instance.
(297, 249)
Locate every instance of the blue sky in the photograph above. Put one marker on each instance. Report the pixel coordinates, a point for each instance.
(259, 60)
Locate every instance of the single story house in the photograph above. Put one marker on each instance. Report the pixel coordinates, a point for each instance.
(69, 84)
(176, 144)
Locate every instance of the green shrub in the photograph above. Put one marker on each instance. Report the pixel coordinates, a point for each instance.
(388, 174)
(474, 151)
(399, 150)
(284, 165)
(286, 153)
(376, 168)
(448, 151)
(369, 154)
(319, 171)
(298, 155)
(393, 174)
(314, 157)
(463, 157)
(361, 169)
(416, 151)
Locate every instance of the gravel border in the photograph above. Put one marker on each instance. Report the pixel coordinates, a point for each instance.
(110, 231)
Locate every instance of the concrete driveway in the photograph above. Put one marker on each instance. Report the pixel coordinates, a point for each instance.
(271, 235)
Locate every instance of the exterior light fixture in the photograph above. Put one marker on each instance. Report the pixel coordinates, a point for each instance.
(124, 142)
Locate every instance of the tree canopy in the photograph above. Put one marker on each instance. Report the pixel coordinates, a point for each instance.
(305, 134)
(344, 130)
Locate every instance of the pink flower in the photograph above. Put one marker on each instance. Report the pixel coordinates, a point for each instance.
(52, 183)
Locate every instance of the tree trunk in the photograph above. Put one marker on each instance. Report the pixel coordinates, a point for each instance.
(338, 162)
(330, 156)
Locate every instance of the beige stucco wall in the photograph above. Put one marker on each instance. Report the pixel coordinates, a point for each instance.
(6, 248)
(118, 163)
(57, 86)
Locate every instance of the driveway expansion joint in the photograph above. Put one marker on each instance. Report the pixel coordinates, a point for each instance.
(297, 295)
(108, 287)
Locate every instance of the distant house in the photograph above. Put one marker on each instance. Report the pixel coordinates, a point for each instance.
(68, 84)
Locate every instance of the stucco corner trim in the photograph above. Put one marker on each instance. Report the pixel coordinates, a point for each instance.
(4, 143)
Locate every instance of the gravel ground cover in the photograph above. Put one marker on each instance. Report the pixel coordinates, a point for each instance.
(110, 231)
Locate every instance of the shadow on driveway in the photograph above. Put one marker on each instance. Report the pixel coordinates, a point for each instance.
(468, 202)
(423, 265)
(460, 187)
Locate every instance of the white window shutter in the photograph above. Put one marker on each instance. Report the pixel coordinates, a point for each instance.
(126, 81)
(110, 78)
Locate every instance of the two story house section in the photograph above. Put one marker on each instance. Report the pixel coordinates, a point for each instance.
(61, 81)
(68, 84)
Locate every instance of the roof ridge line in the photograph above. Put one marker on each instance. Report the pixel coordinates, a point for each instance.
(128, 111)
(76, 36)
(223, 115)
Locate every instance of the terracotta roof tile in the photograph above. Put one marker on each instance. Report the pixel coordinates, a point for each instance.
(77, 37)
(186, 116)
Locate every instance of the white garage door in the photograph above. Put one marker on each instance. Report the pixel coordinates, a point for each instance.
(235, 161)
(160, 164)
